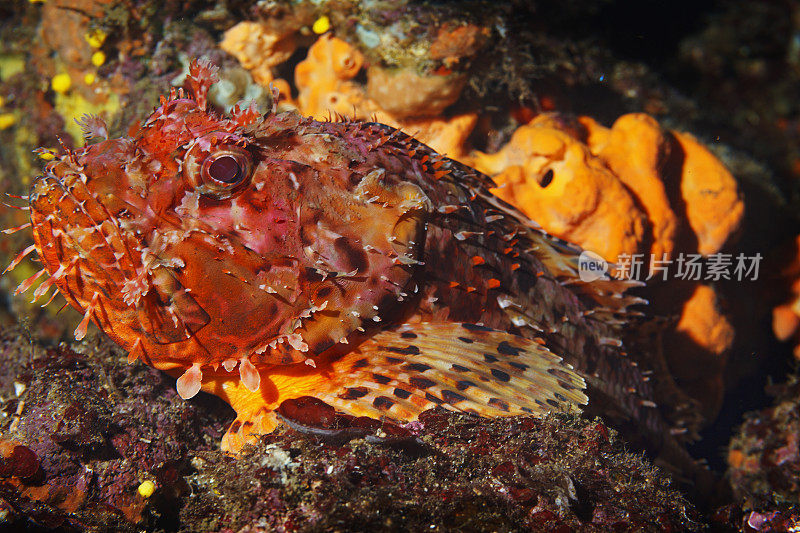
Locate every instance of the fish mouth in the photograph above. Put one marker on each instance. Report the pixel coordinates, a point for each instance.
(100, 265)
(79, 240)
(92, 260)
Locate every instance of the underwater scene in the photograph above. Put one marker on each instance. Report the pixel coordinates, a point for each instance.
(356, 266)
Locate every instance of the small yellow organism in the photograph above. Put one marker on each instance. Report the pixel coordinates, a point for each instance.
(89, 78)
(146, 489)
(98, 58)
(61, 83)
(96, 38)
(321, 25)
(47, 156)
(7, 120)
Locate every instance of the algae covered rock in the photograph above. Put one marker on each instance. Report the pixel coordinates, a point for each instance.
(102, 430)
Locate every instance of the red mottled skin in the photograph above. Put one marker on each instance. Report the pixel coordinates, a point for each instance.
(341, 260)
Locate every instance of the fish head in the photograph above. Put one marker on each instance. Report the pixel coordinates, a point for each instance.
(197, 240)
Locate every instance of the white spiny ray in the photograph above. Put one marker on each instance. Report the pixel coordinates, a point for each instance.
(9, 231)
(80, 331)
(17, 260)
(28, 283)
(52, 297)
(42, 289)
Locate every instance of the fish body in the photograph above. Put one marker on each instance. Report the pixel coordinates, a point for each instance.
(268, 257)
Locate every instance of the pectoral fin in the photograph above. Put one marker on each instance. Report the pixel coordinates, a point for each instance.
(400, 373)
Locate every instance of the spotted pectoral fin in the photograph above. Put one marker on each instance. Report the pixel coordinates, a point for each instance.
(400, 373)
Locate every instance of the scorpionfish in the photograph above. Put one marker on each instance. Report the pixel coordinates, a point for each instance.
(267, 257)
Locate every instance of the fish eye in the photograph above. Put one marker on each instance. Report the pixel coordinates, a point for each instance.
(224, 168)
(224, 171)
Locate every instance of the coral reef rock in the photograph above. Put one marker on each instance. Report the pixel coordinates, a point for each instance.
(118, 449)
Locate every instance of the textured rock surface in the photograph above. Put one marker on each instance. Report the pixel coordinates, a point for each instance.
(98, 428)
(764, 457)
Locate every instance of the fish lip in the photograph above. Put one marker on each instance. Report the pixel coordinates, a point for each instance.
(95, 257)
(63, 226)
